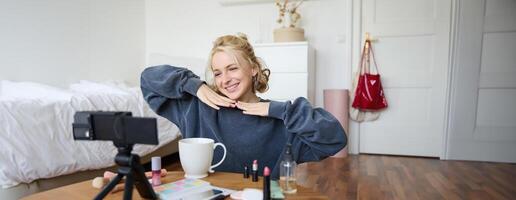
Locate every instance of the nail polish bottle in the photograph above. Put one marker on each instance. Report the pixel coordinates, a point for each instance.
(156, 171)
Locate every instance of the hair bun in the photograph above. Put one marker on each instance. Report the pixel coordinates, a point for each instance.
(242, 36)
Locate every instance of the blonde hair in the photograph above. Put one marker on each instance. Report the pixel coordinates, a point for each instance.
(238, 45)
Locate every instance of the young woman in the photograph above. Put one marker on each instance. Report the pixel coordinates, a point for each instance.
(228, 110)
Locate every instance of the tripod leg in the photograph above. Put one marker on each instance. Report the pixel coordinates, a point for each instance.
(109, 187)
(142, 184)
(128, 191)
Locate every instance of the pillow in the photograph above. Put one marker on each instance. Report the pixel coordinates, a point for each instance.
(90, 87)
(105, 96)
(30, 90)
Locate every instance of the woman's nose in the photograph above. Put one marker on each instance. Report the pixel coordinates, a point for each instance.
(225, 78)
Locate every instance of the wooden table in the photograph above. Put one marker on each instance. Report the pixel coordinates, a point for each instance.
(84, 190)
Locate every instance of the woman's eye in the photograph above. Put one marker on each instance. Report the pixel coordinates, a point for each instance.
(217, 74)
(233, 69)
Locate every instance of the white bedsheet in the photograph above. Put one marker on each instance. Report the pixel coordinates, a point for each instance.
(36, 133)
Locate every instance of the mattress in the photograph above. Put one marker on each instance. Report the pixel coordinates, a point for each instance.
(36, 132)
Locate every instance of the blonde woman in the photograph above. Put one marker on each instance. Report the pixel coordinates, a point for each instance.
(228, 110)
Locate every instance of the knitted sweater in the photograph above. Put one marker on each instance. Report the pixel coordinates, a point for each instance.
(313, 132)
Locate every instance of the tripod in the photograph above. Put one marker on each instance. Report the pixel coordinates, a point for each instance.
(135, 174)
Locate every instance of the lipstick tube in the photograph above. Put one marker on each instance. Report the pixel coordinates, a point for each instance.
(266, 184)
(255, 171)
(246, 171)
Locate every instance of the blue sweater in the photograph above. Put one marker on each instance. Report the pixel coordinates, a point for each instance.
(313, 132)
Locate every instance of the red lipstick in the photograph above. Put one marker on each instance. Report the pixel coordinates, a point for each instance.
(266, 184)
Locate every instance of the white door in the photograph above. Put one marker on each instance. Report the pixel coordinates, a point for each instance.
(483, 99)
(412, 56)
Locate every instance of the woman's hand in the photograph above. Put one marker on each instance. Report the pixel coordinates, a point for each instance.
(212, 99)
(260, 108)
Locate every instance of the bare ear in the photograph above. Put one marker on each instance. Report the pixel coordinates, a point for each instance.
(254, 71)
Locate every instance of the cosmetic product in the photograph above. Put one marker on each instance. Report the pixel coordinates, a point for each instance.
(252, 194)
(236, 195)
(99, 182)
(246, 171)
(255, 171)
(266, 183)
(156, 171)
(288, 172)
(110, 175)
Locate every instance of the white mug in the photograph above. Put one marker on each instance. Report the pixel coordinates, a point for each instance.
(196, 155)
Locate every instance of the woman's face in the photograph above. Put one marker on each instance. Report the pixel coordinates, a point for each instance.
(232, 79)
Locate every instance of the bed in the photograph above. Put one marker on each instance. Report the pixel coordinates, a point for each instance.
(37, 148)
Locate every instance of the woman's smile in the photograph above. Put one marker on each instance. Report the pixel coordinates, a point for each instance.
(232, 87)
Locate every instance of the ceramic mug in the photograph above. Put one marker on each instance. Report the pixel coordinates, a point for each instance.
(196, 155)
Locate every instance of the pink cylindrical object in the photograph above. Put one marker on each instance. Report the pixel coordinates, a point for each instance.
(336, 101)
(156, 171)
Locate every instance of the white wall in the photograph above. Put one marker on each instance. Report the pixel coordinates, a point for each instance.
(61, 41)
(187, 29)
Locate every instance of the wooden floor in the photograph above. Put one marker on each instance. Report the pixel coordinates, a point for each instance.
(393, 177)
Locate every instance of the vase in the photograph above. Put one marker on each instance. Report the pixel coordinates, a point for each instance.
(289, 34)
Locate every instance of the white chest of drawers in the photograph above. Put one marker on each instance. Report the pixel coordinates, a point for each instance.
(292, 68)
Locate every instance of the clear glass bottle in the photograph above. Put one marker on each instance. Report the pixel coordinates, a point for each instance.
(288, 172)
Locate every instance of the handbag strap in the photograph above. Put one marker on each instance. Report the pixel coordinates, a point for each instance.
(368, 49)
(372, 55)
(362, 57)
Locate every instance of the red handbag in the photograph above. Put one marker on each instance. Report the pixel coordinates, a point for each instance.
(369, 94)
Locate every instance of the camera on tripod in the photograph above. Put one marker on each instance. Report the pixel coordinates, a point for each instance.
(119, 127)
(125, 131)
